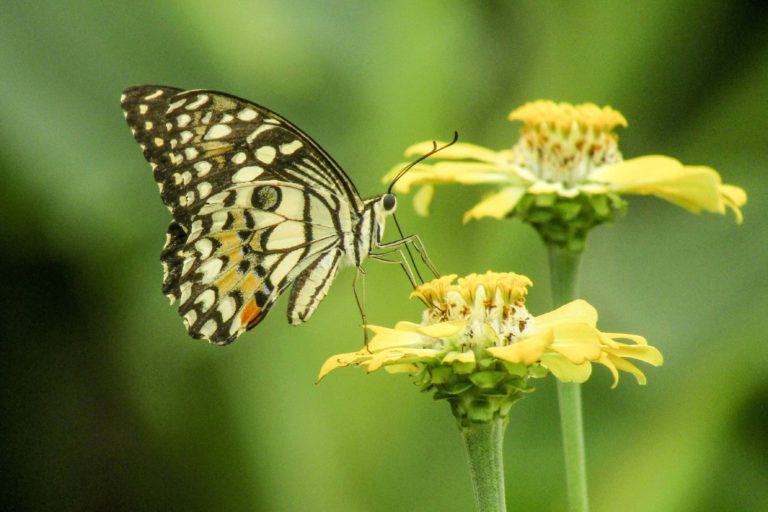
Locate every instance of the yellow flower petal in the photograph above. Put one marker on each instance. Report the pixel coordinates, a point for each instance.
(458, 151)
(577, 311)
(460, 357)
(616, 363)
(564, 370)
(466, 173)
(694, 188)
(401, 368)
(422, 199)
(385, 338)
(527, 351)
(496, 205)
(338, 361)
(645, 353)
(399, 356)
(611, 336)
(442, 329)
(734, 198)
(578, 342)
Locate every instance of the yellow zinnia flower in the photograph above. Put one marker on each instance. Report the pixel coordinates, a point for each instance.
(566, 171)
(477, 345)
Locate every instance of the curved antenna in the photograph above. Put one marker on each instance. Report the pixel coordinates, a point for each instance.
(434, 150)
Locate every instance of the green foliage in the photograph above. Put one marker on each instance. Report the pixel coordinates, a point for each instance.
(108, 405)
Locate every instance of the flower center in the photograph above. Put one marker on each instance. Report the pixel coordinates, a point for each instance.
(562, 143)
(491, 304)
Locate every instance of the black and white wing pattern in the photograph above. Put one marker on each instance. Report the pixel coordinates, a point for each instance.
(256, 205)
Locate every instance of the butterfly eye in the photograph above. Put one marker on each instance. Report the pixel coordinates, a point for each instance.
(389, 201)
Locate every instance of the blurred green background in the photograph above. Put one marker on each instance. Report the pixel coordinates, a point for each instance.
(108, 405)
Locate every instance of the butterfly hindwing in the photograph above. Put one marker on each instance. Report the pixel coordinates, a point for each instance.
(239, 254)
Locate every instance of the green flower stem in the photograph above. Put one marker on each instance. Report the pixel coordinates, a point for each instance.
(484, 442)
(564, 269)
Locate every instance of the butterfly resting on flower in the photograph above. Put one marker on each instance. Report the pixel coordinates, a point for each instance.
(257, 205)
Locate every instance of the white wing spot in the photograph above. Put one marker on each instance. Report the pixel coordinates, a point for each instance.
(219, 219)
(255, 133)
(239, 158)
(226, 118)
(227, 308)
(143, 109)
(158, 141)
(218, 198)
(218, 131)
(188, 262)
(182, 200)
(176, 104)
(206, 299)
(205, 247)
(290, 147)
(202, 167)
(247, 114)
(190, 317)
(210, 269)
(186, 135)
(186, 291)
(176, 158)
(168, 126)
(203, 189)
(186, 177)
(190, 153)
(122, 98)
(174, 143)
(176, 178)
(209, 328)
(207, 117)
(183, 120)
(154, 95)
(190, 197)
(247, 174)
(201, 100)
(266, 154)
(148, 125)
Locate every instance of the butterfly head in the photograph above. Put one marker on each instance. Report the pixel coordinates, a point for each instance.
(388, 203)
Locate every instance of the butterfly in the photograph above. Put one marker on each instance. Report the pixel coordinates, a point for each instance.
(257, 205)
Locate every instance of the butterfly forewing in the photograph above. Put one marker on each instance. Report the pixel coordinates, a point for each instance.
(256, 205)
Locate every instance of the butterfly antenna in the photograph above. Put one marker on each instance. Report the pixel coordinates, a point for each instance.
(434, 150)
(407, 168)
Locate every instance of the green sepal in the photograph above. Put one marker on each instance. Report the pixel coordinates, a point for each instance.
(515, 368)
(463, 368)
(487, 379)
(440, 374)
(455, 388)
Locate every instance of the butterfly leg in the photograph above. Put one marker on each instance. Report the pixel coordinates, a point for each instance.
(418, 245)
(361, 301)
(381, 256)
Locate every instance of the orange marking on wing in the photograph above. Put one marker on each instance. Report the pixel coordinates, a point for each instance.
(251, 314)
(250, 284)
(228, 279)
(228, 241)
